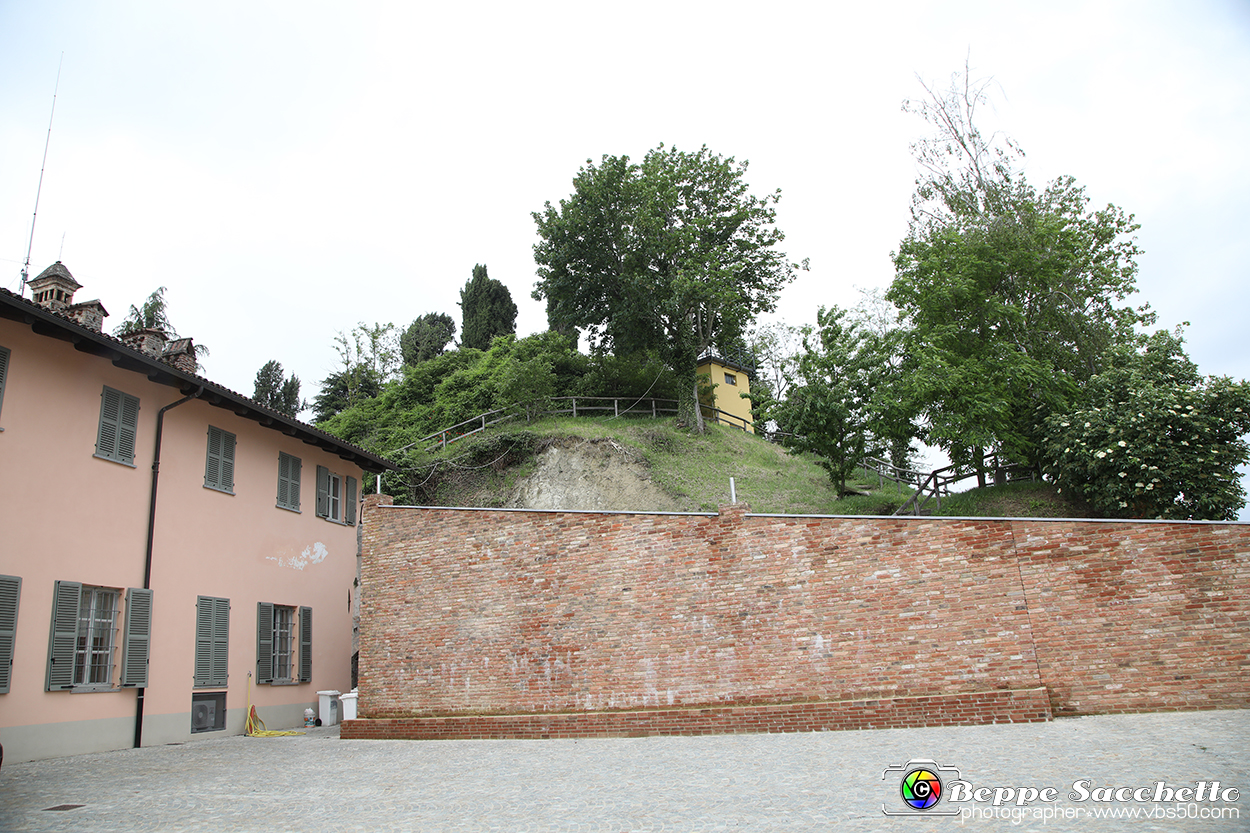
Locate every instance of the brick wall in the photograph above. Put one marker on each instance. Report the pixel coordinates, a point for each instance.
(1139, 617)
(528, 624)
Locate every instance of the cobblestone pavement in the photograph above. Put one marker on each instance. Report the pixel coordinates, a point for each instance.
(794, 782)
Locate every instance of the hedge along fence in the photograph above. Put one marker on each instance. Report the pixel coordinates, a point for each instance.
(740, 618)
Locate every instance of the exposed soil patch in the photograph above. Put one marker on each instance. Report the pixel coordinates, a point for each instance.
(591, 474)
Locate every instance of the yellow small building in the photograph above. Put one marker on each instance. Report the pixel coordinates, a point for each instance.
(720, 394)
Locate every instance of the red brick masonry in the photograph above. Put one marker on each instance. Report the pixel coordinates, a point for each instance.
(898, 713)
(480, 623)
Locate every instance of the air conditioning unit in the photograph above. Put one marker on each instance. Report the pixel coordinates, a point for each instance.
(203, 716)
(208, 712)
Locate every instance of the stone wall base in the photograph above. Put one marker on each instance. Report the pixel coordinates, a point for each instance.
(969, 709)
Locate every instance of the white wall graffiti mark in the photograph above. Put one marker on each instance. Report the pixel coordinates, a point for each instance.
(314, 554)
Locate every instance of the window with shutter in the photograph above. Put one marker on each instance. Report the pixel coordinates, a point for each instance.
(119, 426)
(323, 492)
(336, 496)
(212, 641)
(4, 372)
(81, 645)
(283, 642)
(137, 639)
(219, 463)
(280, 631)
(10, 594)
(288, 481)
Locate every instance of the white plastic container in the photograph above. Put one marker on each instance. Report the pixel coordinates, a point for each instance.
(349, 704)
(329, 713)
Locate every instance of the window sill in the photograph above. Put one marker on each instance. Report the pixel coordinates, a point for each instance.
(219, 489)
(294, 509)
(91, 689)
(126, 463)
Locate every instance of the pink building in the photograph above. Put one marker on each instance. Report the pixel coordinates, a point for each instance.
(171, 550)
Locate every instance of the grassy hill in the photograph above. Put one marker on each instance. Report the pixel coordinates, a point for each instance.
(692, 471)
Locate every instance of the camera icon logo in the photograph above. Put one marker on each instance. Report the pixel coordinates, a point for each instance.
(920, 787)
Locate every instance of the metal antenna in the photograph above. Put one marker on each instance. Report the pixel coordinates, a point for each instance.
(35, 215)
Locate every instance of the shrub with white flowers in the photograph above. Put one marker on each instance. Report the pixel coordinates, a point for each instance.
(1154, 439)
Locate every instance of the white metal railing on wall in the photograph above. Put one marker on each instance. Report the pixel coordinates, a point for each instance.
(617, 406)
(928, 486)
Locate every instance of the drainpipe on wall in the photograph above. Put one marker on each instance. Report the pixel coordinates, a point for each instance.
(147, 565)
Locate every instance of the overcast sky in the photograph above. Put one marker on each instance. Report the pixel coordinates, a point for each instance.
(289, 170)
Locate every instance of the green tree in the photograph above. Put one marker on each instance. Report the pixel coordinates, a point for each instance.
(368, 359)
(529, 384)
(892, 418)
(426, 337)
(1010, 293)
(774, 349)
(343, 389)
(276, 392)
(487, 310)
(827, 411)
(1153, 439)
(672, 255)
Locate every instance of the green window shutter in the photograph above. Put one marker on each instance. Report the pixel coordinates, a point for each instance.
(4, 371)
(323, 492)
(137, 640)
(203, 641)
(305, 644)
(288, 481)
(219, 462)
(212, 461)
(212, 641)
(284, 478)
(221, 642)
(349, 509)
(297, 466)
(264, 642)
(227, 461)
(10, 593)
(64, 637)
(110, 419)
(128, 429)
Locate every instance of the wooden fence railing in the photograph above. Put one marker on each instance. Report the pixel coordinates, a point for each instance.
(937, 484)
(900, 476)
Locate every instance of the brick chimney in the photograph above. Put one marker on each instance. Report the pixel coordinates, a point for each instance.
(54, 287)
(181, 354)
(90, 314)
(151, 342)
